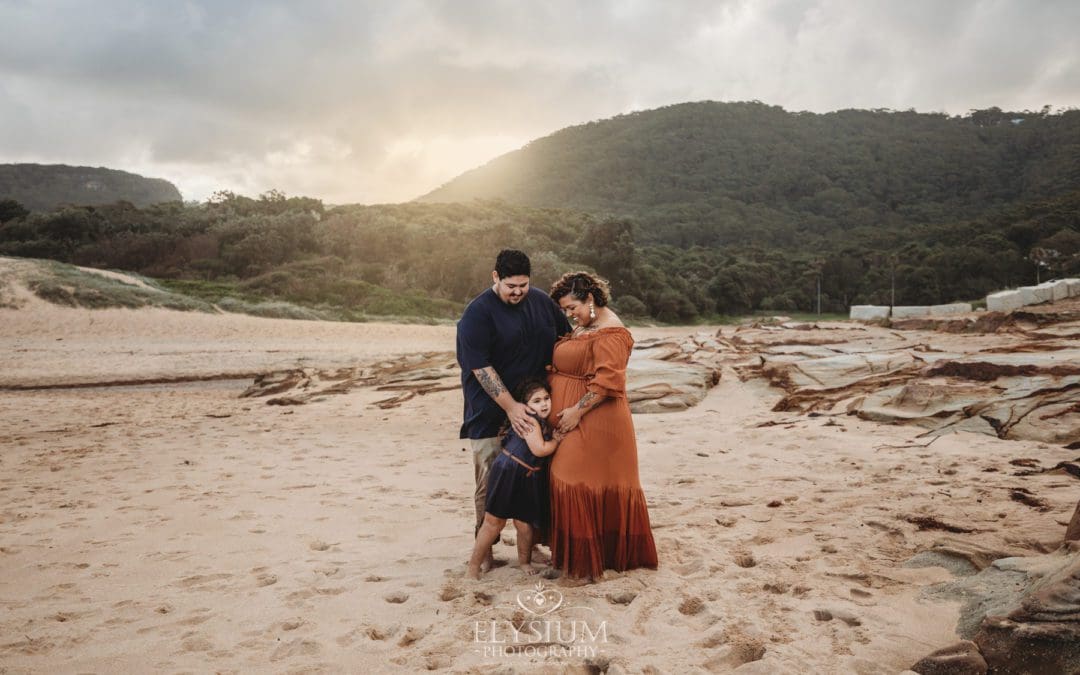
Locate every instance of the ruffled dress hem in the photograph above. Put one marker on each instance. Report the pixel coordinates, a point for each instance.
(593, 530)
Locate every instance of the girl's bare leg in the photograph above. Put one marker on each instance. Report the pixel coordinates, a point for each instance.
(484, 540)
(538, 555)
(524, 547)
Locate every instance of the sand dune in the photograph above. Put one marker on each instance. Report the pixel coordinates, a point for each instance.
(179, 527)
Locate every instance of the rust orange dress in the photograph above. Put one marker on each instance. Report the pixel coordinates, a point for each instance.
(599, 519)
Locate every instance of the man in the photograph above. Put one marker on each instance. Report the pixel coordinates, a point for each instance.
(507, 333)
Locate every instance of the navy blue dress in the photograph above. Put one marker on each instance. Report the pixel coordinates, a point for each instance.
(513, 490)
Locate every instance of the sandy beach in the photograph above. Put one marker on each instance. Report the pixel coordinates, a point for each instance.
(151, 520)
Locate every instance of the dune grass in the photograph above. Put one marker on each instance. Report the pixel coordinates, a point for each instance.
(68, 285)
(320, 298)
(71, 286)
(356, 301)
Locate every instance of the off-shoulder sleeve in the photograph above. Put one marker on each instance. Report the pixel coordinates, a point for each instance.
(610, 353)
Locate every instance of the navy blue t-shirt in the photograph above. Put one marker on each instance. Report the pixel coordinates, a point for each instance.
(515, 340)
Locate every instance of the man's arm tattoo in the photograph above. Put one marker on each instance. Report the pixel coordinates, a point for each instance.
(587, 401)
(490, 381)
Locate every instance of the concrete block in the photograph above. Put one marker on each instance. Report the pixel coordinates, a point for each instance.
(910, 312)
(869, 312)
(1060, 289)
(1034, 295)
(1074, 287)
(1004, 301)
(954, 308)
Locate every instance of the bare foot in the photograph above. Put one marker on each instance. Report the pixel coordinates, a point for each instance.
(527, 568)
(473, 572)
(489, 562)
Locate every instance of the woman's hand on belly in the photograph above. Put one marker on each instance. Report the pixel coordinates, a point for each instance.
(569, 419)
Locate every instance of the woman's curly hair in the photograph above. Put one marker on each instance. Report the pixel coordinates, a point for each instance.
(580, 285)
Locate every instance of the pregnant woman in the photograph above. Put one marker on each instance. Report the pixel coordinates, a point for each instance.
(599, 517)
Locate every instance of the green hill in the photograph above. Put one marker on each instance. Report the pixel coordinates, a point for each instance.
(735, 173)
(43, 187)
(690, 211)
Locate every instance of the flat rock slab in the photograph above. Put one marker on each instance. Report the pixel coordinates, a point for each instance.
(666, 386)
(1019, 383)
(1021, 615)
(659, 379)
(962, 658)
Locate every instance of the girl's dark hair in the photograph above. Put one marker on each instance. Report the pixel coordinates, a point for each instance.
(528, 386)
(580, 285)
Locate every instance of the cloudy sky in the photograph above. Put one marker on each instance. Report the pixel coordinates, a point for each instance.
(383, 101)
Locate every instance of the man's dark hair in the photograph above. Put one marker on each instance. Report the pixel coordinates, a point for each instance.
(512, 263)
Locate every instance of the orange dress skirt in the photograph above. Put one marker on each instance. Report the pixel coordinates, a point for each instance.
(599, 519)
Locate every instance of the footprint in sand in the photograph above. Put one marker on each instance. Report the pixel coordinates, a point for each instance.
(437, 658)
(265, 580)
(745, 559)
(396, 598)
(194, 642)
(29, 646)
(194, 620)
(737, 654)
(298, 647)
(450, 592)
(331, 591)
(348, 639)
(411, 636)
(301, 595)
(621, 598)
(712, 641)
(203, 581)
(839, 614)
(778, 587)
(483, 598)
(691, 606)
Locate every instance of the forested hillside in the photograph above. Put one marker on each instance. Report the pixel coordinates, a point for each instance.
(691, 211)
(41, 187)
(428, 259)
(408, 259)
(713, 174)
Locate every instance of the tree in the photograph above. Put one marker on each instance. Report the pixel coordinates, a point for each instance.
(11, 209)
(608, 247)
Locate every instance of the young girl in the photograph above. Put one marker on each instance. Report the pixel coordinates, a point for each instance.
(517, 484)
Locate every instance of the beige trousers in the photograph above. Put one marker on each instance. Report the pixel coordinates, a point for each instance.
(484, 452)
